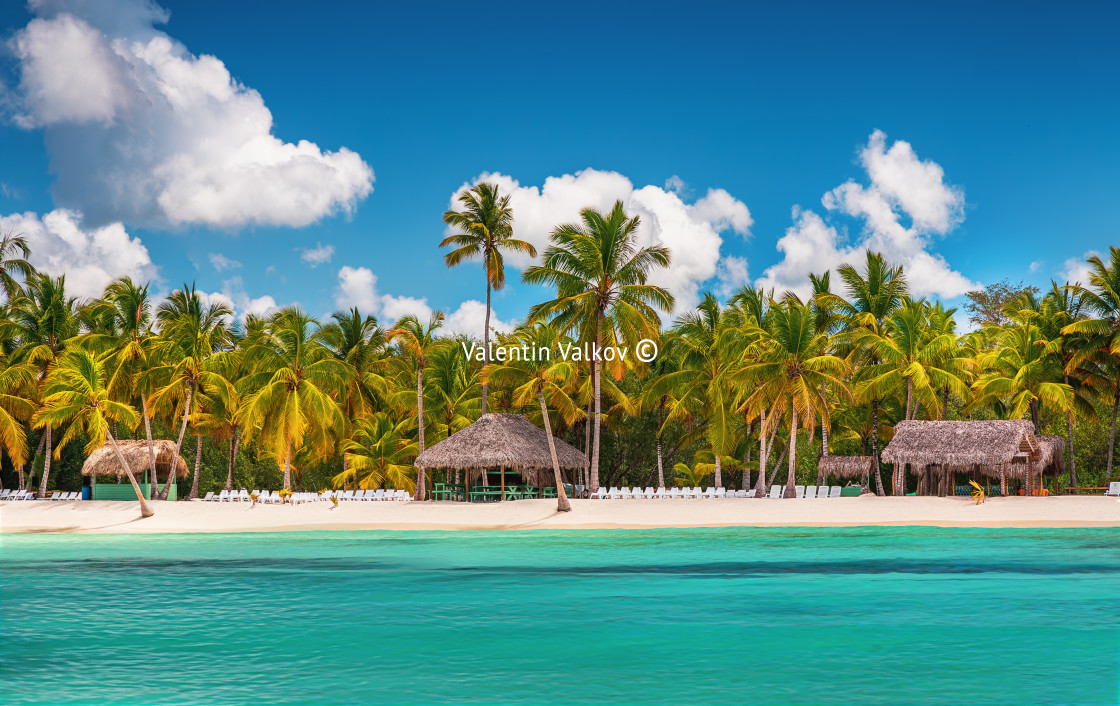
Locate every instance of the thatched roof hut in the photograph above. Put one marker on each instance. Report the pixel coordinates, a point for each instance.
(103, 462)
(962, 444)
(846, 466)
(507, 441)
(1051, 459)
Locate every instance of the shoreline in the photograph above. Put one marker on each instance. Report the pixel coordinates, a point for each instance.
(122, 517)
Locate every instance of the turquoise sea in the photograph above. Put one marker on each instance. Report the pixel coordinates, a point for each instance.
(699, 616)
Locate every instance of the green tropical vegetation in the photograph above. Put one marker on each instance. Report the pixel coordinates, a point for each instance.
(744, 389)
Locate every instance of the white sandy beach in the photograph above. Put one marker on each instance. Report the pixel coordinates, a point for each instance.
(102, 516)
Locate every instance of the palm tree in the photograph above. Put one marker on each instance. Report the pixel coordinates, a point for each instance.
(14, 252)
(909, 358)
(77, 395)
(17, 384)
(787, 377)
(450, 389)
(602, 293)
(1101, 333)
(297, 381)
(417, 341)
(538, 378)
(754, 313)
(875, 295)
(485, 229)
(190, 332)
(710, 347)
(379, 452)
(47, 321)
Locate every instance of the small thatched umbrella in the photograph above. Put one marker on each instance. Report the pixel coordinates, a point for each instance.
(845, 466)
(103, 462)
(994, 444)
(506, 441)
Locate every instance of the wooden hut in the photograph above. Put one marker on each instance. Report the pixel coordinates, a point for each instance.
(104, 462)
(936, 450)
(504, 442)
(845, 467)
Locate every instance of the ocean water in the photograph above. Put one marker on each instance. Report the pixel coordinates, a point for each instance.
(698, 616)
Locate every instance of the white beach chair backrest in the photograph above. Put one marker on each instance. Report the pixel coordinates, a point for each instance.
(775, 491)
(810, 491)
(1114, 488)
(835, 492)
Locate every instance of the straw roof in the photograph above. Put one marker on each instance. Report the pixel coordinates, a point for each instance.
(500, 441)
(846, 466)
(103, 462)
(964, 443)
(1050, 457)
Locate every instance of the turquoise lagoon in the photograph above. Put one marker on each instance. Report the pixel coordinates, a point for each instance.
(700, 616)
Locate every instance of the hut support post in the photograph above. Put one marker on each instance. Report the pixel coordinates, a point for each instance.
(503, 495)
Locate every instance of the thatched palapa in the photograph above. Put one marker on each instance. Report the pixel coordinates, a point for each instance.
(962, 444)
(103, 462)
(507, 441)
(846, 466)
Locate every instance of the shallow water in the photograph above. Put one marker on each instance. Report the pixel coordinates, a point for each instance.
(740, 615)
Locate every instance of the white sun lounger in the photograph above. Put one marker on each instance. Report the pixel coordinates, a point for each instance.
(835, 492)
(1113, 488)
(775, 491)
(243, 496)
(810, 491)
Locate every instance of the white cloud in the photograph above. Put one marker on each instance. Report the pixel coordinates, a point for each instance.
(1036, 265)
(1076, 269)
(357, 286)
(317, 255)
(676, 185)
(140, 130)
(221, 262)
(90, 258)
(901, 187)
(691, 231)
(731, 273)
(234, 296)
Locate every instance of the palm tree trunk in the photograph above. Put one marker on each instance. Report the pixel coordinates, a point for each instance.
(197, 463)
(151, 443)
(760, 485)
(660, 421)
(47, 464)
(1003, 480)
(746, 480)
(719, 469)
(875, 446)
(1069, 442)
(163, 493)
(1112, 436)
(562, 504)
(420, 417)
(145, 508)
(909, 397)
(593, 482)
(791, 478)
(587, 441)
(485, 341)
(778, 464)
(288, 467)
(38, 452)
(1034, 413)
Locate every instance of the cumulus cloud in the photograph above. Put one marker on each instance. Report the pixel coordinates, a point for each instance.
(731, 273)
(1036, 265)
(1076, 270)
(692, 231)
(357, 286)
(905, 205)
(221, 262)
(89, 257)
(317, 255)
(141, 130)
(234, 296)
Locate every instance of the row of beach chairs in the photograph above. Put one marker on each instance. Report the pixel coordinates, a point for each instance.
(274, 498)
(371, 495)
(9, 494)
(776, 491)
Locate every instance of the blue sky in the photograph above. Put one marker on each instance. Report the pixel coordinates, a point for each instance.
(978, 143)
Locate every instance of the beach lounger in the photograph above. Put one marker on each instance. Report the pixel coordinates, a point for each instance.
(223, 496)
(660, 493)
(650, 493)
(775, 491)
(709, 492)
(243, 496)
(209, 497)
(835, 492)
(614, 493)
(600, 494)
(1113, 488)
(5, 493)
(810, 491)
(722, 493)
(800, 490)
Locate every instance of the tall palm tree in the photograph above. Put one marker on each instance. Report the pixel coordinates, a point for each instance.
(77, 395)
(417, 341)
(190, 332)
(754, 313)
(786, 379)
(14, 252)
(380, 452)
(1101, 331)
(47, 322)
(451, 389)
(17, 385)
(874, 296)
(710, 347)
(602, 291)
(909, 358)
(297, 381)
(541, 379)
(485, 230)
